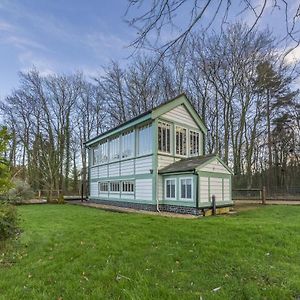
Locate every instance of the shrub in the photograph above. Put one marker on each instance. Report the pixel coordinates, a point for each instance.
(8, 220)
(20, 192)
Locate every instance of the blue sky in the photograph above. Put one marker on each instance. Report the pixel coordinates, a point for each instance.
(60, 36)
(70, 35)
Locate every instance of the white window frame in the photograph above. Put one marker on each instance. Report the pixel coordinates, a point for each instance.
(170, 137)
(99, 184)
(147, 127)
(199, 135)
(110, 189)
(103, 145)
(192, 189)
(186, 140)
(127, 182)
(122, 140)
(113, 139)
(165, 192)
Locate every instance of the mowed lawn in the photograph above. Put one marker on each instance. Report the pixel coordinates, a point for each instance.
(72, 252)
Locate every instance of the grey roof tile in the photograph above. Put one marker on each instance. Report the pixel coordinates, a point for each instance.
(187, 164)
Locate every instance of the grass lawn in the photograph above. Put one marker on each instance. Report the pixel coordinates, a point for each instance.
(72, 252)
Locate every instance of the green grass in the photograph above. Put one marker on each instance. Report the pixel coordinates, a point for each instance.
(72, 252)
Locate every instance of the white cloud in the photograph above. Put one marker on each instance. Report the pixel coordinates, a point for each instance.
(293, 56)
(29, 60)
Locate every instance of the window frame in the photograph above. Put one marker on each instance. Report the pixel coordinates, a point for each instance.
(121, 146)
(169, 125)
(128, 182)
(165, 191)
(190, 148)
(138, 139)
(110, 185)
(103, 145)
(192, 188)
(99, 187)
(112, 139)
(186, 140)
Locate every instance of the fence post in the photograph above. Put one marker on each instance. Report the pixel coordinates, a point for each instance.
(213, 202)
(263, 195)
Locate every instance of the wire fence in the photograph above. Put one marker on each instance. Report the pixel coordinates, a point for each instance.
(263, 194)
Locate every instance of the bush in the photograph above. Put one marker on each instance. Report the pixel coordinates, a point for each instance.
(8, 220)
(20, 192)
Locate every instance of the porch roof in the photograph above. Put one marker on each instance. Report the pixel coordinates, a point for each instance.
(187, 164)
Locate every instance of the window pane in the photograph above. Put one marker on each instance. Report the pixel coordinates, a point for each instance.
(164, 132)
(173, 189)
(194, 143)
(128, 144)
(114, 150)
(183, 194)
(189, 188)
(145, 140)
(180, 140)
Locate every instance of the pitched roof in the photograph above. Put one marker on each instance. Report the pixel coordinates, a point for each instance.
(148, 115)
(187, 164)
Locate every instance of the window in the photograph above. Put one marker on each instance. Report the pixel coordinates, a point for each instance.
(128, 186)
(186, 188)
(180, 140)
(145, 140)
(103, 186)
(115, 186)
(170, 188)
(95, 155)
(114, 148)
(103, 152)
(164, 130)
(128, 144)
(194, 143)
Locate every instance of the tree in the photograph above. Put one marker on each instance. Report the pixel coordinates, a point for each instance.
(5, 182)
(160, 17)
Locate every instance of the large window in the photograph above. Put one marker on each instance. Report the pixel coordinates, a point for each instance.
(103, 152)
(128, 144)
(170, 188)
(103, 186)
(115, 186)
(186, 188)
(145, 140)
(194, 143)
(164, 133)
(128, 186)
(95, 155)
(181, 140)
(114, 148)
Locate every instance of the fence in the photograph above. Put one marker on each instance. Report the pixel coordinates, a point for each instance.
(263, 195)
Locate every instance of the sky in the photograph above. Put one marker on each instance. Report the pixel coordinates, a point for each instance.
(66, 36)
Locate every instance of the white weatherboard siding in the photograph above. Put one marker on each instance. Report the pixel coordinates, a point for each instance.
(127, 196)
(113, 195)
(127, 167)
(181, 115)
(143, 165)
(94, 189)
(216, 167)
(143, 189)
(216, 188)
(103, 195)
(160, 183)
(94, 173)
(164, 161)
(203, 189)
(114, 169)
(226, 183)
(103, 171)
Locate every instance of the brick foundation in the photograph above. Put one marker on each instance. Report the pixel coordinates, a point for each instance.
(151, 207)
